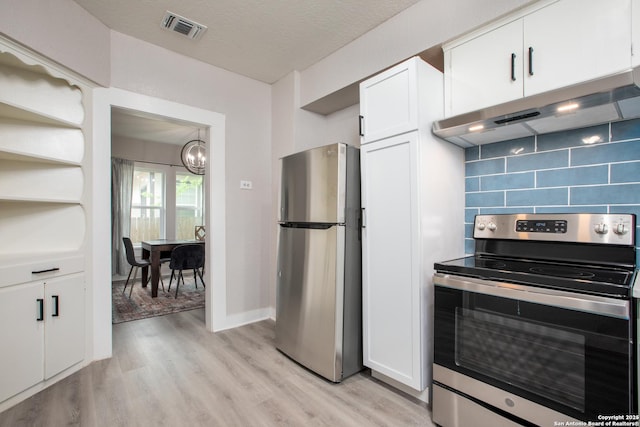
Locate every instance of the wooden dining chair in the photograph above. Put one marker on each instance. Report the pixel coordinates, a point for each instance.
(135, 264)
(186, 257)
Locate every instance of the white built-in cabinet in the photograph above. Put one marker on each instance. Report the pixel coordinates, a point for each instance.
(412, 200)
(548, 46)
(42, 223)
(42, 330)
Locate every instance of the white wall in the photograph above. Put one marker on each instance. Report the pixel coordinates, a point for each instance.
(62, 31)
(342, 126)
(143, 68)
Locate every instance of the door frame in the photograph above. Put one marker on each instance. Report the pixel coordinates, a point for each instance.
(215, 273)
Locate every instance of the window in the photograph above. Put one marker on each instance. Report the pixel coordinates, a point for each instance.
(147, 205)
(189, 204)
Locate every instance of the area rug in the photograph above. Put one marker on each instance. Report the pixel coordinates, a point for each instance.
(141, 305)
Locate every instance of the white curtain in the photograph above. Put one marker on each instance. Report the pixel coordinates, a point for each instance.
(121, 191)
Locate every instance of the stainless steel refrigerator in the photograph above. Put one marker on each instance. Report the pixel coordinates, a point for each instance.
(319, 287)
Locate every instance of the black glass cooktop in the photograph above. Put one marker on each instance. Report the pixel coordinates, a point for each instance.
(572, 277)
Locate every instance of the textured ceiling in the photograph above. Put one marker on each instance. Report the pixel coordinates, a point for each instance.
(261, 39)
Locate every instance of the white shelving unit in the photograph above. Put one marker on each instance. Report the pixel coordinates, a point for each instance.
(43, 225)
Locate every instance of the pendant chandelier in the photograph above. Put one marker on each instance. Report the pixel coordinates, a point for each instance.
(194, 155)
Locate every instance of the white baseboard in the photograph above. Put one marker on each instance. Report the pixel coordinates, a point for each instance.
(241, 319)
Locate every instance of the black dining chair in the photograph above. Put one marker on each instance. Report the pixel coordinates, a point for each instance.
(186, 257)
(135, 264)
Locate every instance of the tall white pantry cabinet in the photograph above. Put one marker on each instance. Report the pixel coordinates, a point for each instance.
(42, 224)
(413, 216)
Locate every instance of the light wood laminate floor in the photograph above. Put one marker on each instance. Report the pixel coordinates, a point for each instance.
(169, 371)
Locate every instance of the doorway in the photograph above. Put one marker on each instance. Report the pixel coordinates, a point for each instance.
(215, 273)
(155, 197)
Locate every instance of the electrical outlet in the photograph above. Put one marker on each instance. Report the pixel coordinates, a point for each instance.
(246, 185)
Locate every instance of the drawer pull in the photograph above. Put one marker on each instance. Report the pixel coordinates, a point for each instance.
(56, 307)
(40, 302)
(48, 270)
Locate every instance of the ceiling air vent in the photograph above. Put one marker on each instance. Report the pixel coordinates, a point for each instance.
(182, 25)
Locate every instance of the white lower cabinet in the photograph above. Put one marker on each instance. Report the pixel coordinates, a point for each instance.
(42, 331)
(22, 337)
(412, 195)
(393, 334)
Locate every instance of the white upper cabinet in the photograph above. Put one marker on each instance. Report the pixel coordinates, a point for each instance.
(540, 49)
(486, 70)
(573, 41)
(389, 103)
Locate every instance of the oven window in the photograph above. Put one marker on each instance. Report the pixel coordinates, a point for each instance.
(546, 361)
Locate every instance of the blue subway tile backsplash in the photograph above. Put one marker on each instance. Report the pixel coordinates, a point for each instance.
(508, 148)
(530, 162)
(605, 153)
(573, 176)
(625, 172)
(507, 181)
(538, 197)
(572, 138)
(594, 169)
(629, 129)
(484, 167)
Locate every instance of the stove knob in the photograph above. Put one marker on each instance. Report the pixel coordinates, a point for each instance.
(601, 228)
(481, 226)
(492, 226)
(619, 229)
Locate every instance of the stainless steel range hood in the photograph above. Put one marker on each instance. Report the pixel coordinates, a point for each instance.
(611, 98)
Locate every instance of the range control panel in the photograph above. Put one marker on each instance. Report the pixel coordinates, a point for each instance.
(541, 226)
(618, 229)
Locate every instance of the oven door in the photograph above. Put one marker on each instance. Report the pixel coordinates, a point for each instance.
(566, 352)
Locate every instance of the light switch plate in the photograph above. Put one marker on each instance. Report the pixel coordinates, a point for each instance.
(246, 185)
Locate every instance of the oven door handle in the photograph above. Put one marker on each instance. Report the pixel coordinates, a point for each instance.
(573, 301)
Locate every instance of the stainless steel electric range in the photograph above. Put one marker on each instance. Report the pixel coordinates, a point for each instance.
(537, 327)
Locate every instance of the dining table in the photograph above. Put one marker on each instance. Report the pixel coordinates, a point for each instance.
(155, 251)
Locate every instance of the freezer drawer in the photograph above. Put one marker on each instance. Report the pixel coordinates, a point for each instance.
(310, 292)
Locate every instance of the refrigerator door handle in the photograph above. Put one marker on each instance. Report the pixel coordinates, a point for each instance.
(310, 225)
